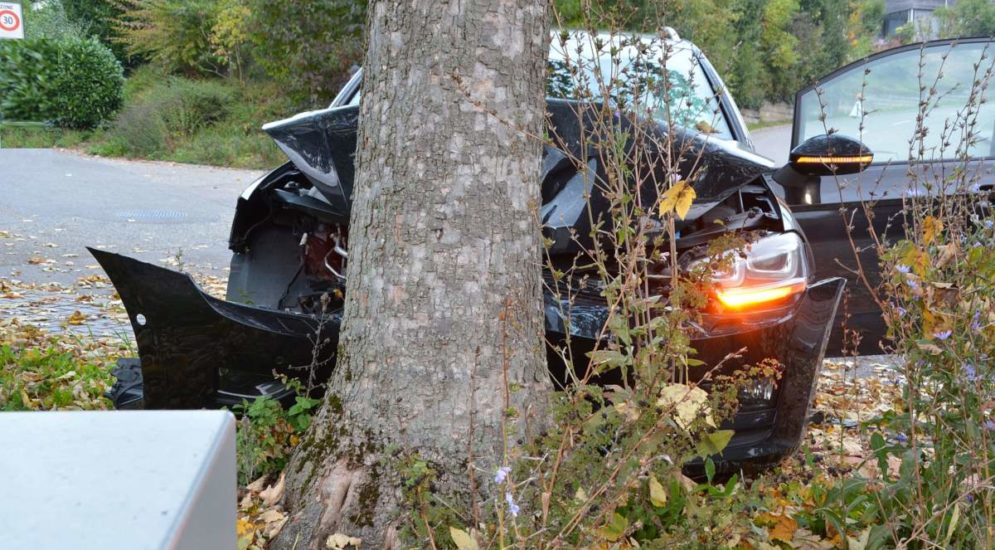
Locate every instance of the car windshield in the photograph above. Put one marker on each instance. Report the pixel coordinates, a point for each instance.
(633, 78)
(629, 71)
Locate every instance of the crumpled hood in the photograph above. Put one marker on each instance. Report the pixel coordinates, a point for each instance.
(322, 145)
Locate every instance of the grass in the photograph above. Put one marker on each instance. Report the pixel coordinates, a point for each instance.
(43, 377)
(753, 126)
(195, 121)
(40, 137)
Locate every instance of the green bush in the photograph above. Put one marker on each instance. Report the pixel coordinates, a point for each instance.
(308, 47)
(75, 83)
(194, 121)
(175, 108)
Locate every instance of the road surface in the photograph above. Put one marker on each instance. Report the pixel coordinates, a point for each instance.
(54, 203)
(773, 142)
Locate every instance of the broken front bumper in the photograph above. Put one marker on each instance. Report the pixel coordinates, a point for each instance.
(199, 351)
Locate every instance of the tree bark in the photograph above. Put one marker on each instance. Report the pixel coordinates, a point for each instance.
(441, 352)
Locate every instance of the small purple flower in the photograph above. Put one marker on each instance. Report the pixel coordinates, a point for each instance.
(901, 438)
(989, 224)
(502, 474)
(990, 425)
(976, 321)
(970, 372)
(943, 334)
(513, 508)
(903, 269)
(912, 284)
(901, 311)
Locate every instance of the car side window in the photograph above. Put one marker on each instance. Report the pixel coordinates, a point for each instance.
(886, 94)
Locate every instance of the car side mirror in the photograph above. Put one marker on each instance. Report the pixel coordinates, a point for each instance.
(829, 155)
(824, 155)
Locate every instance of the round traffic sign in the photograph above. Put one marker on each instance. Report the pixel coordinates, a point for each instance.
(9, 21)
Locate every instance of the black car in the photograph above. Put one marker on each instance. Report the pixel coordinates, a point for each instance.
(289, 238)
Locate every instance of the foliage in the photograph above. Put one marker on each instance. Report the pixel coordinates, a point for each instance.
(96, 18)
(967, 18)
(178, 107)
(43, 379)
(50, 20)
(267, 433)
(230, 35)
(14, 136)
(307, 47)
(752, 43)
(72, 82)
(196, 121)
(175, 34)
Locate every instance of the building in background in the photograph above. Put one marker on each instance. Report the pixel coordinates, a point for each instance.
(916, 12)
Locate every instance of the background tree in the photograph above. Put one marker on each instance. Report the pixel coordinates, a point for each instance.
(441, 366)
(96, 17)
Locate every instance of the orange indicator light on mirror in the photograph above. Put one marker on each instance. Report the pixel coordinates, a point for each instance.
(862, 159)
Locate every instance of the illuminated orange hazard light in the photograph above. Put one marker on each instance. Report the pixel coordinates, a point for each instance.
(741, 298)
(862, 159)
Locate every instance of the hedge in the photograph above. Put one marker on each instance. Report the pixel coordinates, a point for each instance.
(74, 83)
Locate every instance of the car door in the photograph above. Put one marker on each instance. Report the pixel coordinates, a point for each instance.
(880, 101)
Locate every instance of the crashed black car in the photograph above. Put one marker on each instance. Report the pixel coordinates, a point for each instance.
(289, 240)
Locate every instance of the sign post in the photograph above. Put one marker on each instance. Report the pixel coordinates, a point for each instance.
(11, 21)
(11, 27)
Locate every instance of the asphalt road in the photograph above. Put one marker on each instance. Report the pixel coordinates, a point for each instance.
(773, 142)
(54, 203)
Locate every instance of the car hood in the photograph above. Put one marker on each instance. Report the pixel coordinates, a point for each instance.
(322, 145)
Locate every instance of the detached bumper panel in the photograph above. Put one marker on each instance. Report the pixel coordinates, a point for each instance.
(198, 351)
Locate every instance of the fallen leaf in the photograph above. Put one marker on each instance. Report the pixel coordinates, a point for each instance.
(687, 402)
(77, 318)
(658, 495)
(463, 540)
(257, 485)
(338, 541)
(274, 493)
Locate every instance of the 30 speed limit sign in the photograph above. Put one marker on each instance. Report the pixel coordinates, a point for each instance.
(11, 21)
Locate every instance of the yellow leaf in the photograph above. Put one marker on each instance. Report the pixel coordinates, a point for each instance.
(678, 199)
(338, 541)
(244, 527)
(658, 495)
(463, 540)
(784, 529)
(688, 403)
(931, 227)
(76, 318)
(615, 527)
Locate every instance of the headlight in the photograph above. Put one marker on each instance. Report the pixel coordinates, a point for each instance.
(773, 269)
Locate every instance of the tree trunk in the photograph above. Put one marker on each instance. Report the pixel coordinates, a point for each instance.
(441, 354)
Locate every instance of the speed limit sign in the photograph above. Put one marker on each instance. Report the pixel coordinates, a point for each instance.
(11, 21)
